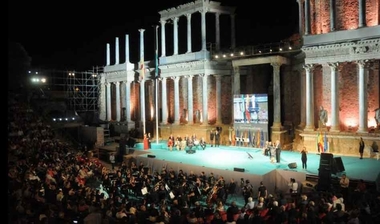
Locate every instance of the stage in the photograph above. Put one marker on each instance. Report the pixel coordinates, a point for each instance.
(249, 164)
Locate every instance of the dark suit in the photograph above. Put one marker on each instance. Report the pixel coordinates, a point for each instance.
(278, 153)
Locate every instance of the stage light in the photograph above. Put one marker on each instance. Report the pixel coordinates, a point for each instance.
(224, 56)
(216, 56)
(242, 53)
(231, 54)
(54, 119)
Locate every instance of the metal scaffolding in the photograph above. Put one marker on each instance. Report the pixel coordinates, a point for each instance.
(83, 90)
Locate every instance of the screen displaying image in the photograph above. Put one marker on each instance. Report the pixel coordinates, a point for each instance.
(251, 109)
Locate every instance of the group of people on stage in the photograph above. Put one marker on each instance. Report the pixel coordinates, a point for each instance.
(188, 142)
(273, 150)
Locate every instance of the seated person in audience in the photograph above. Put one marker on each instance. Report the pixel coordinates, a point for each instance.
(202, 143)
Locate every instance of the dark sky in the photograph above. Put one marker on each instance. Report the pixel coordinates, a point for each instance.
(73, 34)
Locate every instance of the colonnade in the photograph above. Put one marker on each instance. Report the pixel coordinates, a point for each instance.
(203, 12)
(305, 17)
(106, 88)
(363, 98)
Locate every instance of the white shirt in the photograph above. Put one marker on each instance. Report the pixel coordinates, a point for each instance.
(293, 186)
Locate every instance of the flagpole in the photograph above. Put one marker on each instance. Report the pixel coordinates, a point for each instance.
(156, 79)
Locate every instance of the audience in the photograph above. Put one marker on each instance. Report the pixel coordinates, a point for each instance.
(51, 181)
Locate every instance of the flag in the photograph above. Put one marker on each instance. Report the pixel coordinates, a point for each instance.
(325, 145)
(249, 137)
(142, 69)
(320, 143)
(258, 138)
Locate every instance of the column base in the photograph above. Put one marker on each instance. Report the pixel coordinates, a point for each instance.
(324, 129)
(309, 128)
(362, 131)
(277, 127)
(335, 129)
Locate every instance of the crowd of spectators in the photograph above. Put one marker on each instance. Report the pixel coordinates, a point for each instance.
(50, 181)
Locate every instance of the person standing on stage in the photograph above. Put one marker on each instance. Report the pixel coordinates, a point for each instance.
(212, 136)
(171, 142)
(361, 147)
(304, 158)
(278, 151)
(149, 140)
(272, 150)
(217, 138)
(146, 142)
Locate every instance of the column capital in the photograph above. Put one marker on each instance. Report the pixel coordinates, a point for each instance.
(276, 64)
(116, 82)
(217, 77)
(162, 79)
(175, 19)
(203, 11)
(362, 63)
(141, 30)
(232, 15)
(188, 15)
(334, 65)
(308, 67)
(107, 83)
(189, 76)
(163, 22)
(217, 14)
(175, 78)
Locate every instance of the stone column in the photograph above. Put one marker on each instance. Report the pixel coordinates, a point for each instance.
(203, 29)
(128, 101)
(363, 101)
(109, 111)
(102, 101)
(164, 101)
(163, 45)
(300, 17)
(108, 55)
(307, 17)
(118, 107)
(117, 51)
(236, 81)
(303, 101)
(218, 99)
(204, 99)
(233, 39)
(217, 31)
(142, 104)
(332, 15)
(126, 49)
(276, 96)
(362, 13)
(190, 108)
(309, 98)
(334, 98)
(176, 100)
(188, 16)
(175, 34)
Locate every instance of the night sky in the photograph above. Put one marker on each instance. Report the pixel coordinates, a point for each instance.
(73, 35)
